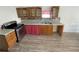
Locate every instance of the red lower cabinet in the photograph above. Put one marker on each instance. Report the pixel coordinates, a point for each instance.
(28, 29)
(39, 29)
(32, 29)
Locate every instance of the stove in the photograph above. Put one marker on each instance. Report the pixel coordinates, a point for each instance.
(17, 27)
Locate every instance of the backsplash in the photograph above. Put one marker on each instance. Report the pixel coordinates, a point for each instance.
(43, 20)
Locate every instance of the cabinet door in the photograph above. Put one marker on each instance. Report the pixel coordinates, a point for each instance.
(35, 30)
(3, 43)
(38, 13)
(19, 12)
(35, 12)
(11, 39)
(24, 12)
(50, 29)
(11, 42)
(29, 13)
(43, 29)
(32, 29)
(46, 29)
(60, 30)
(54, 12)
(32, 13)
(28, 29)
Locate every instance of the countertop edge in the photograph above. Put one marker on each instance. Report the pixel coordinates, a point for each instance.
(11, 30)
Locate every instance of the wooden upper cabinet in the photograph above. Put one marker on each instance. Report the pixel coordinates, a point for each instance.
(32, 13)
(54, 11)
(29, 13)
(19, 12)
(35, 12)
(39, 13)
(25, 12)
(22, 12)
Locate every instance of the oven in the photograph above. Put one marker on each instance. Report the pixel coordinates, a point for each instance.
(17, 27)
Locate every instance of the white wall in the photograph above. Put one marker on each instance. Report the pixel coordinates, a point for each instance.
(70, 17)
(7, 14)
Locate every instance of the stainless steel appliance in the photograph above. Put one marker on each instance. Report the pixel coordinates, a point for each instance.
(17, 27)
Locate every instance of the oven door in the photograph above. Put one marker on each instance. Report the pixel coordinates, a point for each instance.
(20, 33)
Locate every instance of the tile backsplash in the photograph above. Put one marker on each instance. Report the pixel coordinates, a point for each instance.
(43, 20)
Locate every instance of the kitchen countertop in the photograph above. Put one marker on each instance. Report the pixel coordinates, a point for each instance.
(42, 24)
(5, 31)
(38, 22)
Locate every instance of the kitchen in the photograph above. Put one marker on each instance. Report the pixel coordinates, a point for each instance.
(32, 19)
(37, 22)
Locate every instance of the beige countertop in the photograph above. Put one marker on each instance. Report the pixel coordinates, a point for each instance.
(25, 22)
(5, 31)
(43, 24)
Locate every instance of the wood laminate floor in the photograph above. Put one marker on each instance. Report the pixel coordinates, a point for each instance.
(69, 42)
